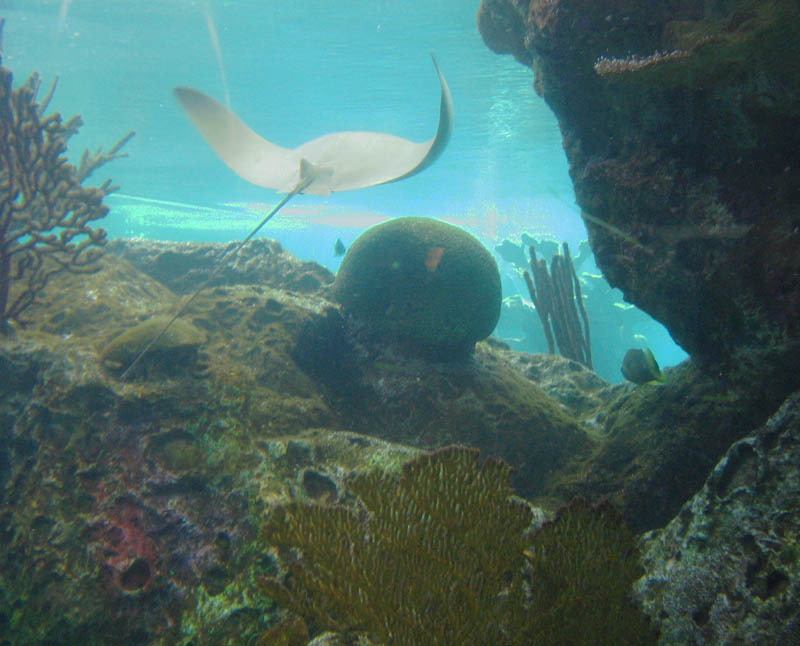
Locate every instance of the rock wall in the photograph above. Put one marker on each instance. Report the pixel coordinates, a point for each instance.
(681, 124)
(725, 570)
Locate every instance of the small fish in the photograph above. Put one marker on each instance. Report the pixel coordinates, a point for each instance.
(640, 367)
(339, 248)
(434, 258)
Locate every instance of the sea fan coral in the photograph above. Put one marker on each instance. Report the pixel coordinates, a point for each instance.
(45, 212)
(438, 556)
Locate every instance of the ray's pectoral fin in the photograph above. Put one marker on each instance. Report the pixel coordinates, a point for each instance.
(341, 161)
(247, 154)
(445, 129)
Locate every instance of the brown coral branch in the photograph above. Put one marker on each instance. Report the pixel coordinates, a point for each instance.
(90, 163)
(541, 297)
(46, 214)
(585, 339)
(558, 301)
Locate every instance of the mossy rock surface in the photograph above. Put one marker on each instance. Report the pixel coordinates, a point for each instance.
(424, 283)
(182, 337)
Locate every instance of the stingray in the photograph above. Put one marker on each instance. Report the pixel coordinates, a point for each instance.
(338, 161)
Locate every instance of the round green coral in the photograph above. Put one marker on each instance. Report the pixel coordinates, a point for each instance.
(429, 285)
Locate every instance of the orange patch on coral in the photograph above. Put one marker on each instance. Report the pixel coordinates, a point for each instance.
(434, 258)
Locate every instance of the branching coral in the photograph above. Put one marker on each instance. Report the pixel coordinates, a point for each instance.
(438, 556)
(584, 563)
(418, 569)
(45, 212)
(558, 300)
(605, 66)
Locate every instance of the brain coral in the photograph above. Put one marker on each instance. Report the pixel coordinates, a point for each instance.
(428, 285)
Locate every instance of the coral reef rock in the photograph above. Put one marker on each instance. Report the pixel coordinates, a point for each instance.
(426, 284)
(130, 509)
(130, 514)
(651, 446)
(482, 400)
(184, 266)
(681, 125)
(726, 570)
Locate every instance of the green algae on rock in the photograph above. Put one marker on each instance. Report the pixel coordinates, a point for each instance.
(240, 437)
(484, 402)
(101, 480)
(421, 282)
(144, 499)
(649, 444)
(183, 266)
(178, 344)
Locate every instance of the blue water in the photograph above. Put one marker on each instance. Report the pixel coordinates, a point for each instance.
(294, 71)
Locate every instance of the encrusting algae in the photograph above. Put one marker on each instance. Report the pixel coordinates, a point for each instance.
(177, 346)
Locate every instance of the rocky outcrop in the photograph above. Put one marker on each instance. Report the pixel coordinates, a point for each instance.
(726, 570)
(681, 124)
(130, 508)
(184, 266)
(652, 445)
(131, 515)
